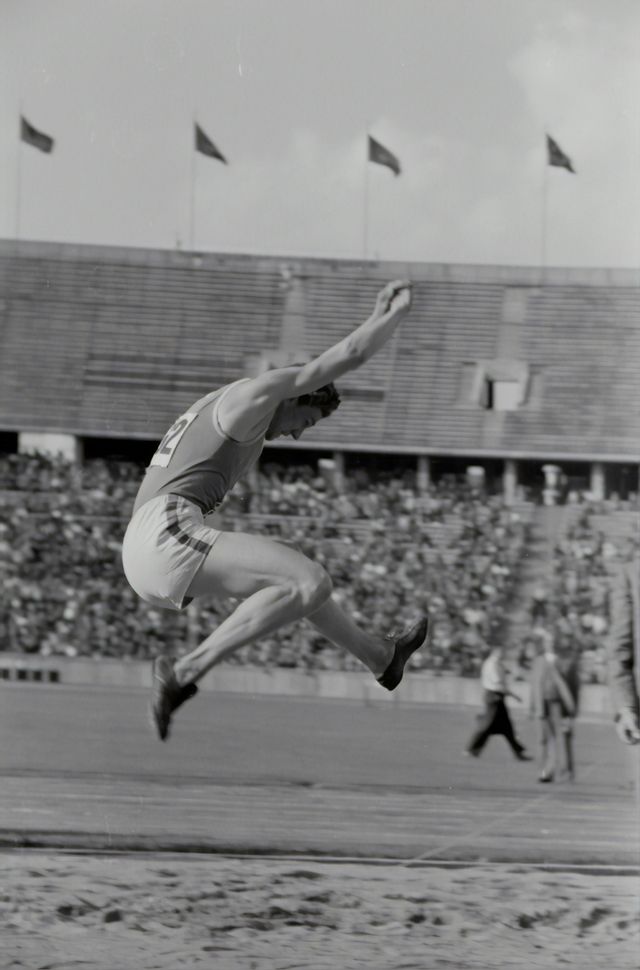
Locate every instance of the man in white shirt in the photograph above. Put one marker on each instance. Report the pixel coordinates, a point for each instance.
(495, 717)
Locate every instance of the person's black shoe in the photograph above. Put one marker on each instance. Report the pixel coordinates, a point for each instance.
(523, 756)
(545, 778)
(405, 646)
(167, 695)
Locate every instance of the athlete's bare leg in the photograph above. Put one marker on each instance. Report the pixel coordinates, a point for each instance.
(278, 585)
(336, 625)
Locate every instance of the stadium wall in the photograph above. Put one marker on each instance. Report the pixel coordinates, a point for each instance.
(419, 687)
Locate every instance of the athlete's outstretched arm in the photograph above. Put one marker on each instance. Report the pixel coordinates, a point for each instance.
(392, 305)
(250, 401)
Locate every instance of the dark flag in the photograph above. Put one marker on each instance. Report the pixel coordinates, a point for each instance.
(33, 137)
(206, 146)
(557, 157)
(382, 156)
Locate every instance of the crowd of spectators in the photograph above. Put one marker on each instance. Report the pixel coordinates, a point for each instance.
(390, 551)
(573, 608)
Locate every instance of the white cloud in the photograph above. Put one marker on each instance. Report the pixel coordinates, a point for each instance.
(578, 76)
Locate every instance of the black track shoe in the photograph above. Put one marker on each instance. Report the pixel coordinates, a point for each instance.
(167, 695)
(405, 645)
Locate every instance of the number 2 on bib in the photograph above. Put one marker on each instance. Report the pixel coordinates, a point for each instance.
(169, 443)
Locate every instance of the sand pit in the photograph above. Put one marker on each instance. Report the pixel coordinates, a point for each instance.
(121, 912)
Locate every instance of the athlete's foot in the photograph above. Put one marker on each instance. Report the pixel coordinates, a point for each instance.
(167, 695)
(523, 756)
(546, 777)
(404, 647)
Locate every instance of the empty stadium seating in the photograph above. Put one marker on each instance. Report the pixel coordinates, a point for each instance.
(116, 342)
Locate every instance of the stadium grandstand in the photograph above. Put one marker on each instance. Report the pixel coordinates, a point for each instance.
(490, 449)
(497, 367)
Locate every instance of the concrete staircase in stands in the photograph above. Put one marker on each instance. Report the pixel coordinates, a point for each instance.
(547, 525)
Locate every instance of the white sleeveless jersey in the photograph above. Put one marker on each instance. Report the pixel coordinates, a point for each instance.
(197, 459)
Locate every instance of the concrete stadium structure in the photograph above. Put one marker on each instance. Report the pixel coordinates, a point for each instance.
(529, 377)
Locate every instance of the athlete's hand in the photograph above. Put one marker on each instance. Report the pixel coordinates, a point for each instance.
(628, 727)
(393, 301)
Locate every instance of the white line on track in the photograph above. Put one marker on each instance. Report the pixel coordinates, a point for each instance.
(301, 859)
(528, 803)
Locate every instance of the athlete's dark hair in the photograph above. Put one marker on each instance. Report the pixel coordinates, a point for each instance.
(326, 398)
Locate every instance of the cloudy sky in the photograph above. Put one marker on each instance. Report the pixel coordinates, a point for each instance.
(462, 91)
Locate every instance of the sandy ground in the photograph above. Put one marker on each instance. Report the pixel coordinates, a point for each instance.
(120, 912)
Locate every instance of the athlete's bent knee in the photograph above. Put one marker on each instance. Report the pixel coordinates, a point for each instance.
(314, 589)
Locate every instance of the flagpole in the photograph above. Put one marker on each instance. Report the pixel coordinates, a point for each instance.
(365, 221)
(19, 178)
(193, 182)
(543, 233)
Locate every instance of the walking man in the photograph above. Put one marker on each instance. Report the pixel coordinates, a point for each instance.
(555, 688)
(495, 718)
(623, 652)
(171, 557)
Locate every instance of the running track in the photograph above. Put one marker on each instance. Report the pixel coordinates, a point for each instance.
(81, 769)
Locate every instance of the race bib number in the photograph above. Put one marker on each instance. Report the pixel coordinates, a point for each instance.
(170, 442)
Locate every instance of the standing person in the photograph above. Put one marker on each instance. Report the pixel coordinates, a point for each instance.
(554, 693)
(539, 605)
(623, 652)
(495, 719)
(171, 557)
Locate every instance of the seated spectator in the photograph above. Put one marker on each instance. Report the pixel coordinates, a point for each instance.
(388, 548)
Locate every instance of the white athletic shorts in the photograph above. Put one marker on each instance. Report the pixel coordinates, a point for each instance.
(164, 546)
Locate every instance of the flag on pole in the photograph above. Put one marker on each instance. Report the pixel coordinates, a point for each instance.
(206, 146)
(37, 139)
(557, 157)
(382, 156)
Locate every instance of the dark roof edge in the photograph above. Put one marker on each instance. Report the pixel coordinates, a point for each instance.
(528, 276)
